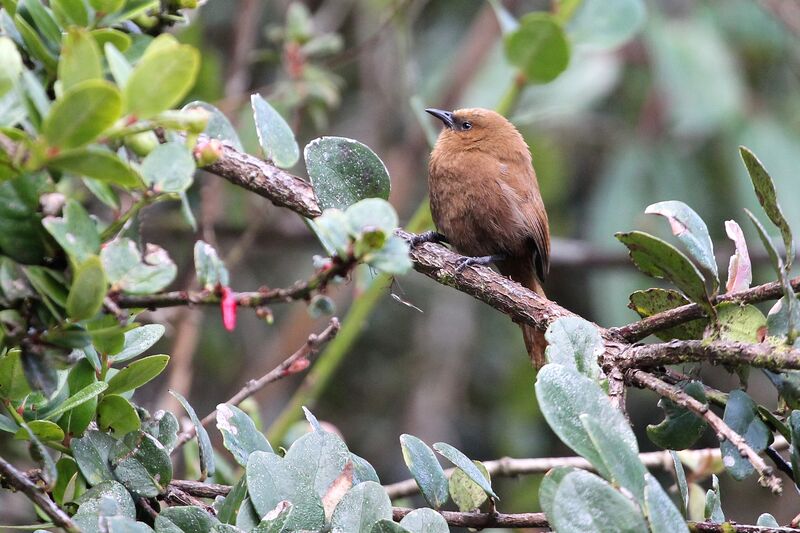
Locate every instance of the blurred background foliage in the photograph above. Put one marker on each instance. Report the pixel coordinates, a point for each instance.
(658, 118)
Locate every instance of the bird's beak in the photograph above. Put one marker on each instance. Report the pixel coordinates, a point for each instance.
(445, 116)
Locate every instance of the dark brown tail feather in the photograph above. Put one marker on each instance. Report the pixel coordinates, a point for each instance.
(524, 273)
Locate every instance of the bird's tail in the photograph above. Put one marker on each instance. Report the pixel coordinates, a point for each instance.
(524, 273)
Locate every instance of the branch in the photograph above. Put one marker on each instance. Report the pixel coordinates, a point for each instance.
(20, 482)
(667, 319)
(311, 346)
(277, 186)
(761, 355)
(509, 467)
(483, 520)
(648, 381)
(301, 290)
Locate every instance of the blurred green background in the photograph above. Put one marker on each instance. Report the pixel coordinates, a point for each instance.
(659, 117)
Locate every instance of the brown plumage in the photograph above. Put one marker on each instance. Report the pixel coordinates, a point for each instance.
(485, 201)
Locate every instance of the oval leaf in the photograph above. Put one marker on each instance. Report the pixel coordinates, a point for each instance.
(88, 290)
(80, 58)
(574, 342)
(661, 513)
(239, 433)
(538, 47)
(138, 340)
(425, 468)
(137, 374)
(218, 127)
(464, 463)
(84, 112)
(424, 521)
(161, 79)
(344, 171)
(97, 163)
(82, 396)
(204, 443)
(362, 506)
(274, 134)
(169, 168)
(741, 415)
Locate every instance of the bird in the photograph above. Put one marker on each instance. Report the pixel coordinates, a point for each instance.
(485, 202)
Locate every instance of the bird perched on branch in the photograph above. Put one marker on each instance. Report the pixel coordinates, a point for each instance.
(486, 203)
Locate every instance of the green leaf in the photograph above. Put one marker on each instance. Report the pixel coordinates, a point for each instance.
(118, 64)
(34, 45)
(138, 340)
(169, 168)
(767, 520)
(713, 508)
(72, 11)
(239, 433)
(651, 301)
(13, 384)
(344, 171)
(80, 397)
(362, 470)
(392, 258)
(680, 477)
(204, 443)
(75, 232)
(424, 521)
(84, 112)
(129, 272)
(574, 342)
(89, 503)
(119, 40)
(319, 457)
(137, 374)
(794, 428)
(80, 58)
(163, 426)
(680, 428)
(41, 457)
(539, 47)
(389, 526)
(99, 164)
(371, 214)
(92, 452)
(765, 191)
(271, 480)
(606, 24)
(142, 464)
(219, 127)
(466, 494)
(210, 269)
(185, 520)
(274, 134)
(275, 520)
(659, 259)
(161, 78)
(331, 228)
(67, 469)
(22, 236)
(228, 510)
(43, 429)
(10, 65)
(661, 513)
(584, 502)
(39, 369)
(115, 413)
(107, 6)
(563, 396)
(741, 415)
(108, 335)
(361, 507)
(549, 486)
(624, 465)
(43, 21)
(690, 229)
(464, 463)
(75, 421)
(425, 468)
(741, 323)
(88, 290)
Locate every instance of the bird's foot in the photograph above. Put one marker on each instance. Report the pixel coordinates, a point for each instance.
(427, 236)
(464, 262)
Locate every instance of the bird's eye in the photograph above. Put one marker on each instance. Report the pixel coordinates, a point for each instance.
(467, 125)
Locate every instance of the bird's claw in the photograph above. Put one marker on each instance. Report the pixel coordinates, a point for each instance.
(464, 262)
(427, 236)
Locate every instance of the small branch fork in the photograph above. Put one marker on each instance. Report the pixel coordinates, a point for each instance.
(297, 362)
(767, 476)
(19, 481)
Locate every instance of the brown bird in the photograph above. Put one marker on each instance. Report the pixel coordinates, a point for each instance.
(486, 203)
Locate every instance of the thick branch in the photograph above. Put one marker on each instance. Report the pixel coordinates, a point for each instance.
(761, 355)
(279, 187)
(509, 467)
(667, 319)
(648, 381)
(20, 482)
(288, 367)
(483, 520)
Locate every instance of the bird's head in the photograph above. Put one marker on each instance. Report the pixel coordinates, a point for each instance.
(476, 128)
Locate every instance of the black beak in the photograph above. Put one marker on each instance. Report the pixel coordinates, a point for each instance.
(445, 116)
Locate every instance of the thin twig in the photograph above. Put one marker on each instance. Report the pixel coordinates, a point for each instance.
(483, 520)
(301, 290)
(762, 355)
(20, 482)
(308, 349)
(667, 319)
(510, 467)
(767, 477)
